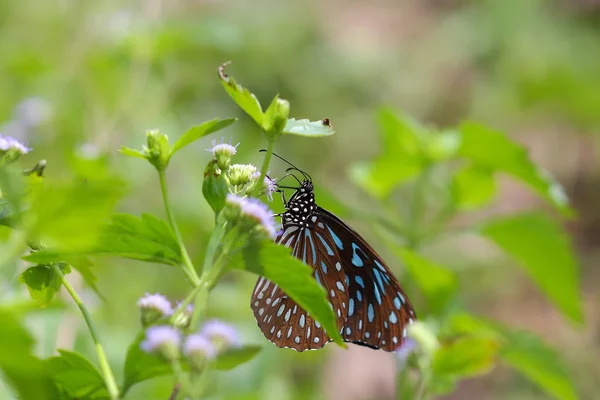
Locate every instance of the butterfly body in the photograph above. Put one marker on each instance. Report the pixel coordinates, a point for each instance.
(371, 308)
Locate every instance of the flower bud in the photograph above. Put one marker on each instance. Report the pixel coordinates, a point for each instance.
(163, 340)
(252, 214)
(11, 149)
(240, 174)
(157, 149)
(198, 349)
(215, 186)
(223, 153)
(221, 334)
(276, 117)
(153, 307)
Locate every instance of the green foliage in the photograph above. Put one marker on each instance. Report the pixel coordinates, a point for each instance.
(74, 374)
(473, 186)
(497, 152)
(437, 283)
(465, 357)
(527, 354)
(199, 131)
(276, 263)
(57, 211)
(543, 249)
(21, 369)
(42, 282)
(235, 356)
(274, 121)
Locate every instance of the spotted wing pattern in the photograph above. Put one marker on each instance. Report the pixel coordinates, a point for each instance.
(371, 308)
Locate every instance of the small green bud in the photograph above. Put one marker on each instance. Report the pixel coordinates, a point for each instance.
(241, 174)
(223, 153)
(215, 186)
(157, 149)
(276, 117)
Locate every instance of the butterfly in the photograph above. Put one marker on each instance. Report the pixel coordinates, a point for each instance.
(371, 308)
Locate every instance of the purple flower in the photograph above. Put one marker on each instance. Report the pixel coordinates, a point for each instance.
(156, 302)
(270, 187)
(7, 143)
(256, 210)
(162, 338)
(222, 149)
(405, 350)
(199, 346)
(219, 331)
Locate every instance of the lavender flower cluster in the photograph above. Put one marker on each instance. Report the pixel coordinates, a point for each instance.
(214, 337)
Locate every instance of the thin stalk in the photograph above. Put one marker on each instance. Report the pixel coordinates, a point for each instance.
(107, 374)
(416, 209)
(265, 165)
(188, 266)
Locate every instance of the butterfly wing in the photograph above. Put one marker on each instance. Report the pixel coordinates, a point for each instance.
(378, 310)
(282, 320)
(371, 308)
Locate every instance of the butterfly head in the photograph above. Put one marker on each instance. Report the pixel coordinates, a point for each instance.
(301, 206)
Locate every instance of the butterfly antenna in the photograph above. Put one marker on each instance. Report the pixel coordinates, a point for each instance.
(293, 167)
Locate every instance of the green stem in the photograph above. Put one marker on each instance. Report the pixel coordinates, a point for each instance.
(265, 165)
(421, 392)
(188, 266)
(109, 379)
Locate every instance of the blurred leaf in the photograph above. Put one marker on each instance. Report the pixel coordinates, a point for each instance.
(21, 370)
(242, 96)
(198, 131)
(402, 156)
(76, 375)
(84, 267)
(42, 282)
(131, 152)
(69, 217)
(465, 357)
(496, 151)
(304, 127)
(442, 145)
(472, 187)
(233, 357)
(295, 278)
(147, 239)
(437, 283)
(140, 365)
(523, 351)
(545, 252)
(527, 354)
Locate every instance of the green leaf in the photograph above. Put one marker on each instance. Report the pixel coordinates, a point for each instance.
(527, 354)
(140, 366)
(69, 217)
(546, 254)
(242, 96)
(437, 283)
(42, 282)
(304, 127)
(132, 153)
(295, 278)
(233, 357)
(198, 131)
(495, 151)
(21, 370)
(472, 187)
(147, 239)
(76, 375)
(403, 156)
(465, 357)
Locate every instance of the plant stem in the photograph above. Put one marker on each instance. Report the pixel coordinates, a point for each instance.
(416, 209)
(187, 267)
(109, 379)
(265, 165)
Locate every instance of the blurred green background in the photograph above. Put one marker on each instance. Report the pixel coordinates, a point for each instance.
(85, 78)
